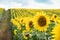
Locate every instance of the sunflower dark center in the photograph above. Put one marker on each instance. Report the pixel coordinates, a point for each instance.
(30, 24)
(42, 21)
(21, 20)
(52, 20)
(55, 16)
(27, 35)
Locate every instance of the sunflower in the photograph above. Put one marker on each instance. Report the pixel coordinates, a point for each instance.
(28, 23)
(15, 32)
(26, 34)
(41, 21)
(19, 19)
(16, 23)
(55, 18)
(56, 32)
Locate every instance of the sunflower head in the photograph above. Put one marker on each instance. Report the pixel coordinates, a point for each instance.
(15, 32)
(41, 21)
(56, 32)
(55, 18)
(29, 23)
(15, 22)
(19, 19)
(26, 34)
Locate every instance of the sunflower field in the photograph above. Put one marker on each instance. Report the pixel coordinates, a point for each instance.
(35, 24)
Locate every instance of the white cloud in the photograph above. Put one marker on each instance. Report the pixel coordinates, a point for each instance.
(11, 5)
(32, 4)
(14, 5)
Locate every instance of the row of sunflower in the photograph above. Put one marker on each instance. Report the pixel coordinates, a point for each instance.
(1, 12)
(32, 24)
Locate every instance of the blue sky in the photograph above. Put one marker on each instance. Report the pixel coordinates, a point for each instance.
(42, 4)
